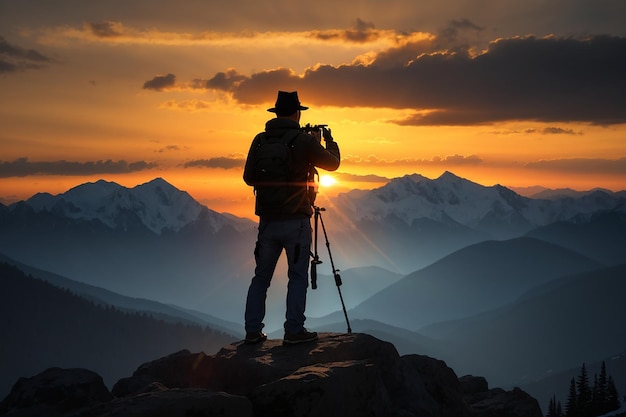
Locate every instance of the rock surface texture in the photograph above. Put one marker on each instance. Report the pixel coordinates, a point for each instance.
(337, 375)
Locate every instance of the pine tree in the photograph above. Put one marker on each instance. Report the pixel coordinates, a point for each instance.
(552, 407)
(571, 409)
(583, 404)
(613, 402)
(602, 403)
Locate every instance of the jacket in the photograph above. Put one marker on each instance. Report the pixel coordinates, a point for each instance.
(307, 152)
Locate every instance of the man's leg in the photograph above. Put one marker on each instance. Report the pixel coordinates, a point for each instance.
(266, 253)
(298, 249)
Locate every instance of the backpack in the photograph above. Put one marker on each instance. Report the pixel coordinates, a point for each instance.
(273, 171)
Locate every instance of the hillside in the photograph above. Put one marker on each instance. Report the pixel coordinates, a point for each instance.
(475, 279)
(558, 326)
(44, 326)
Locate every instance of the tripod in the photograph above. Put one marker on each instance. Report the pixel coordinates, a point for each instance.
(316, 261)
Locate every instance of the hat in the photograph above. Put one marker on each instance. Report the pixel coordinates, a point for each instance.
(287, 103)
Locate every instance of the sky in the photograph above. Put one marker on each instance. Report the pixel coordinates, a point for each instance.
(506, 92)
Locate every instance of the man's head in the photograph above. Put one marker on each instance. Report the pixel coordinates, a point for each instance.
(287, 104)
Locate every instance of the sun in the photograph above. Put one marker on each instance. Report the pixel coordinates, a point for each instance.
(327, 180)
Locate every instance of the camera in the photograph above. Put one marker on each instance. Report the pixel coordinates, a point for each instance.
(311, 129)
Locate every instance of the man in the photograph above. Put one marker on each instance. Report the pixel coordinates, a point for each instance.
(285, 225)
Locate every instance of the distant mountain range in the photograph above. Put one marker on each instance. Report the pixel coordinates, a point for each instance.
(477, 276)
(154, 241)
(475, 279)
(413, 221)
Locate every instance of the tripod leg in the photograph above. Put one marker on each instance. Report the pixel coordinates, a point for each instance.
(335, 273)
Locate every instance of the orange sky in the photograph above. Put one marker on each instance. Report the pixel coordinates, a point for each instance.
(498, 95)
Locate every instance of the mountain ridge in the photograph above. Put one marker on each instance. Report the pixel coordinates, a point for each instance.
(158, 205)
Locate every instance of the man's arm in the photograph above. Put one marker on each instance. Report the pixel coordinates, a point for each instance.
(327, 158)
(248, 170)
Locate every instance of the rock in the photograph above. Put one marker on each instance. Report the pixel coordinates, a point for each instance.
(193, 402)
(339, 374)
(178, 370)
(349, 388)
(55, 392)
(497, 402)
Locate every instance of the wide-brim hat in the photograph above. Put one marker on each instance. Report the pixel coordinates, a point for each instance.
(287, 103)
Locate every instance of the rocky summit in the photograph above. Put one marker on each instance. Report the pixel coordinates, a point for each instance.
(337, 375)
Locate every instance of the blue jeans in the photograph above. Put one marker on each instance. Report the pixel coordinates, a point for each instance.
(275, 235)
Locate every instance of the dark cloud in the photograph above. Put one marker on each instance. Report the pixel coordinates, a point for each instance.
(104, 30)
(219, 162)
(14, 58)
(160, 82)
(582, 165)
(225, 81)
(525, 78)
(22, 167)
(558, 131)
(458, 31)
(361, 32)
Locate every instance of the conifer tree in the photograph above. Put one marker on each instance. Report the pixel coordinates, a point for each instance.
(602, 405)
(571, 409)
(583, 404)
(554, 408)
(613, 402)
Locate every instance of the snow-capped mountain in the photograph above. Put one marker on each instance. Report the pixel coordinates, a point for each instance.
(449, 198)
(158, 205)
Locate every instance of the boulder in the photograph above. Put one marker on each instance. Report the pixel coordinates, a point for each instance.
(55, 392)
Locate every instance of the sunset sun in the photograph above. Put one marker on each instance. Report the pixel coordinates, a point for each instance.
(327, 180)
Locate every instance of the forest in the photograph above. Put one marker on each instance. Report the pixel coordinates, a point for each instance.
(585, 399)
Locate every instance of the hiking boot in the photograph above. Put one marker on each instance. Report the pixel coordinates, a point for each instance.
(255, 337)
(301, 337)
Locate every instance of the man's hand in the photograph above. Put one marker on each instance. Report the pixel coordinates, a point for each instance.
(327, 134)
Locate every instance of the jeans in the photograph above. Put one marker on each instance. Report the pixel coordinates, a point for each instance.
(294, 236)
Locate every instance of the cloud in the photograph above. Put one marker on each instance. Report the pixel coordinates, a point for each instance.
(106, 29)
(546, 79)
(22, 167)
(218, 162)
(347, 177)
(14, 58)
(160, 82)
(115, 32)
(558, 131)
(450, 160)
(581, 165)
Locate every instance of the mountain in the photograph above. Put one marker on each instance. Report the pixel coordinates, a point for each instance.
(45, 326)
(413, 221)
(558, 326)
(474, 279)
(601, 236)
(100, 296)
(156, 205)
(152, 242)
(496, 210)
